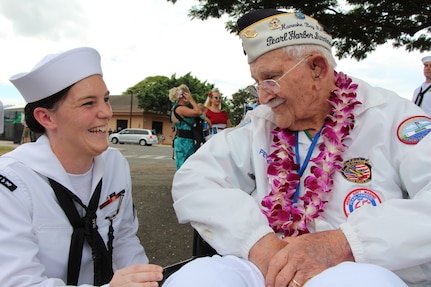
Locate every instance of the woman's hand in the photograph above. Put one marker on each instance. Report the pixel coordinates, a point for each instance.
(188, 96)
(137, 275)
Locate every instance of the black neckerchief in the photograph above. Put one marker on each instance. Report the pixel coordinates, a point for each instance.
(420, 96)
(84, 228)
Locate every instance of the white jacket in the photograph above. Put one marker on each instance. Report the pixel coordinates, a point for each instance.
(426, 102)
(35, 233)
(219, 189)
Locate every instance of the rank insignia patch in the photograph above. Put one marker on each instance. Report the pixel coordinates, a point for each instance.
(358, 198)
(357, 170)
(413, 129)
(7, 183)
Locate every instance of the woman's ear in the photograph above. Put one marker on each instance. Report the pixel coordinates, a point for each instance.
(44, 117)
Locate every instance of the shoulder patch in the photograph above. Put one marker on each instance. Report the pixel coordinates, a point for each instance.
(358, 198)
(413, 129)
(357, 170)
(7, 183)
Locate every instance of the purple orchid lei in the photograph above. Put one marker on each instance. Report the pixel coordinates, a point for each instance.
(283, 215)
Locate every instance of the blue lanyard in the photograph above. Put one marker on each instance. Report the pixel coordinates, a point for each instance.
(306, 160)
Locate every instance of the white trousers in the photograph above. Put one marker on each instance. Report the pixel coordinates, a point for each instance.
(231, 271)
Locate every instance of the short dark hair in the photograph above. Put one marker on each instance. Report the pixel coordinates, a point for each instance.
(48, 103)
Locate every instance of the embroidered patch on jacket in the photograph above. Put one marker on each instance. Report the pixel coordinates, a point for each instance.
(7, 183)
(357, 170)
(413, 129)
(358, 198)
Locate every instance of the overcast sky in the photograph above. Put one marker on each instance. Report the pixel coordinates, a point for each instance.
(141, 38)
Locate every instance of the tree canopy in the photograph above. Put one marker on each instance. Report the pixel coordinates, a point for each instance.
(238, 104)
(358, 27)
(152, 92)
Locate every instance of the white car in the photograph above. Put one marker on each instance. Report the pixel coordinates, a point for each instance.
(135, 136)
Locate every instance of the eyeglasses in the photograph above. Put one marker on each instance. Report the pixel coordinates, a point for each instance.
(272, 86)
(216, 98)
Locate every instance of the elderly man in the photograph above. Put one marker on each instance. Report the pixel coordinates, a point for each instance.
(326, 183)
(422, 94)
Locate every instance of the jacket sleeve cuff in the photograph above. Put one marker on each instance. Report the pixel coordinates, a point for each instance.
(354, 242)
(253, 238)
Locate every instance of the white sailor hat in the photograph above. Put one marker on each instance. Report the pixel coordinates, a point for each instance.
(426, 59)
(56, 72)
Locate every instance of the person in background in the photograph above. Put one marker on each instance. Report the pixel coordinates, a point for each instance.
(1, 118)
(25, 138)
(206, 123)
(249, 107)
(67, 216)
(204, 111)
(328, 183)
(422, 94)
(218, 118)
(184, 112)
(161, 138)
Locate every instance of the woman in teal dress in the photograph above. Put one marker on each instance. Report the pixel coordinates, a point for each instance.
(184, 112)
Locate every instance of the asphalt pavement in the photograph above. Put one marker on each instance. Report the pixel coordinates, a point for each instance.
(164, 239)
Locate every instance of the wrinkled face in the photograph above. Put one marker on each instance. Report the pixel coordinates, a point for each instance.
(80, 122)
(295, 97)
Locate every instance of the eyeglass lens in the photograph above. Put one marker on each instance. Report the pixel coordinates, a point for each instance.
(272, 86)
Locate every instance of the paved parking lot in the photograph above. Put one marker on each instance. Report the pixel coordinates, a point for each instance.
(164, 239)
(152, 168)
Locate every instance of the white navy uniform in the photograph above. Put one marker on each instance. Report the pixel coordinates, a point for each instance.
(219, 189)
(426, 101)
(35, 233)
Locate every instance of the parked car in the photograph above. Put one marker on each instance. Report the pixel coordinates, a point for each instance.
(135, 136)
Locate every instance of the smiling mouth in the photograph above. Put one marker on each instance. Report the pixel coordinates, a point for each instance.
(101, 129)
(275, 103)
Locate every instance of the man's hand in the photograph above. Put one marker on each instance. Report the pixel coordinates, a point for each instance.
(306, 256)
(264, 250)
(137, 275)
(299, 258)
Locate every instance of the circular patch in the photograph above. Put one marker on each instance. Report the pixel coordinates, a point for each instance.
(357, 170)
(413, 129)
(358, 198)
